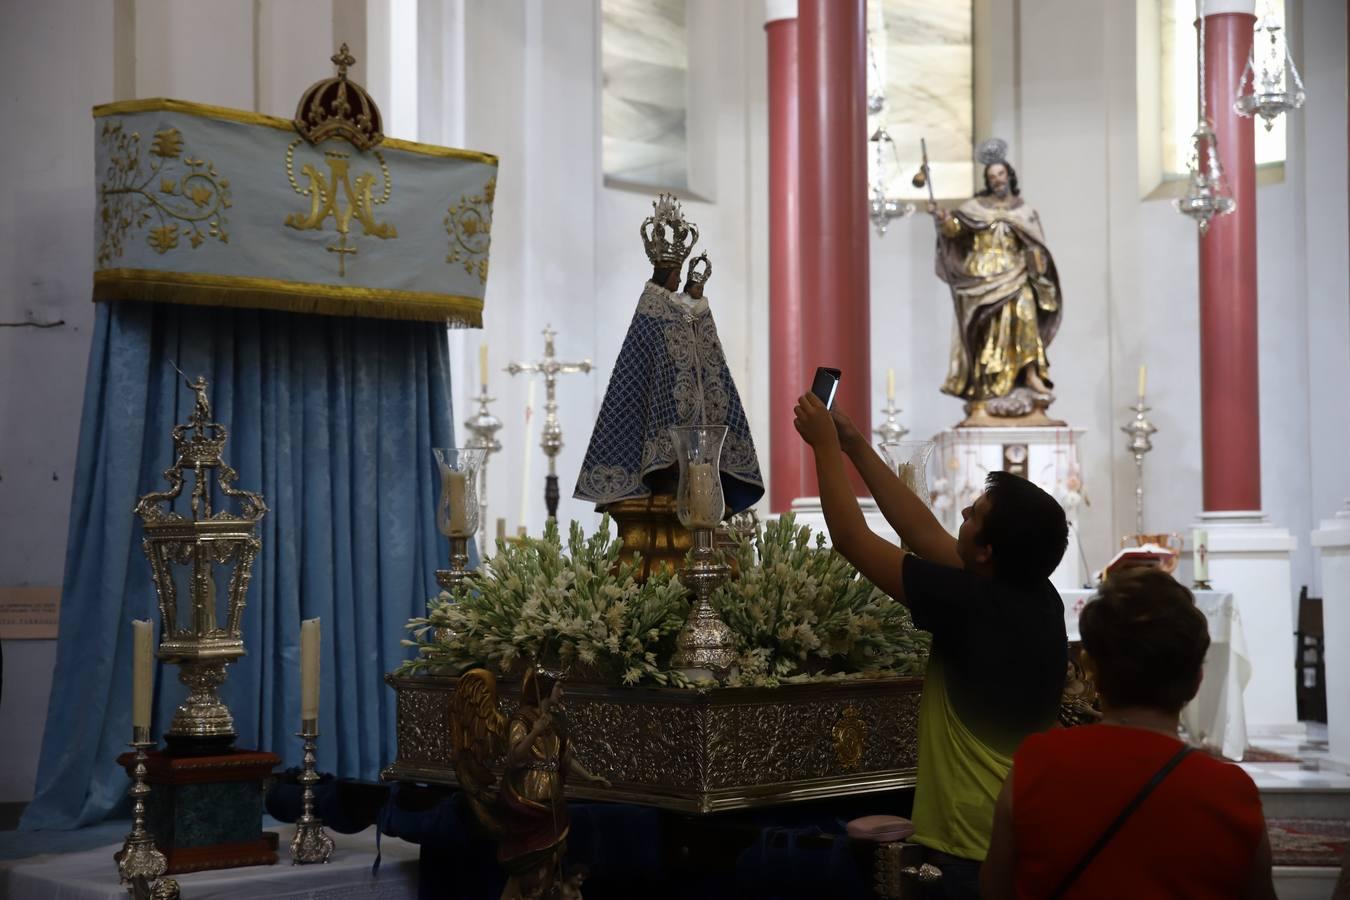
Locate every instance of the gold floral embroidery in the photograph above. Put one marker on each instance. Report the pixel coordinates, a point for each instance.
(324, 200)
(469, 224)
(128, 201)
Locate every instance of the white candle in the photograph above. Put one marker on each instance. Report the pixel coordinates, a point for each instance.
(482, 364)
(143, 671)
(455, 486)
(309, 669)
(1143, 378)
(525, 467)
(1200, 552)
(705, 496)
(907, 477)
(890, 384)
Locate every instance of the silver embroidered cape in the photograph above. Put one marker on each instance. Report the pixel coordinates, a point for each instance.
(670, 371)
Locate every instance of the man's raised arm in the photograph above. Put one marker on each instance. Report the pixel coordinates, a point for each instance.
(902, 508)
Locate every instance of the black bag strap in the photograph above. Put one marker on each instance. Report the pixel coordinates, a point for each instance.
(1125, 813)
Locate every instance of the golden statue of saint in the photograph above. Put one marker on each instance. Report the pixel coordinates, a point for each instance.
(1005, 290)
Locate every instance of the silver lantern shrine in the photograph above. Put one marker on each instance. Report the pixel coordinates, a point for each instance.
(201, 558)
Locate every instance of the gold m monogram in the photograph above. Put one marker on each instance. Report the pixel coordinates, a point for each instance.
(326, 196)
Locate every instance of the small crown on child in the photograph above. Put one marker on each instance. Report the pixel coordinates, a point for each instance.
(699, 275)
(668, 238)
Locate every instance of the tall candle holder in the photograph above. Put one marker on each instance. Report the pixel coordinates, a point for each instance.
(1140, 430)
(457, 514)
(705, 648)
(551, 441)
(139, 863)
(311, 843)
(484, 427)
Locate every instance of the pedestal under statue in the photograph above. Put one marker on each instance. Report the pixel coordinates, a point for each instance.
(1006, 297)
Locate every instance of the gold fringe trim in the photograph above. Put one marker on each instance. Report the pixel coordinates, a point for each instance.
(153, 286)
(225, 114)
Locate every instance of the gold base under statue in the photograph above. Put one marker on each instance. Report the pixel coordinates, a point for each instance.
(651, 527)
(979, 417)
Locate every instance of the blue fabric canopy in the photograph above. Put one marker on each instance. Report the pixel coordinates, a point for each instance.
(332, 420)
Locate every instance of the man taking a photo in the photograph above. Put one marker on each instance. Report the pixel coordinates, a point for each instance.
(996, 673)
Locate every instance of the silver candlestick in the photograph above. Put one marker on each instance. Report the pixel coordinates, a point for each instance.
(1140, 430)
(311, 843)
(453, 578)
(890, 431)
(139, 863)
(551, 441)
(705, 642)
(484, 427)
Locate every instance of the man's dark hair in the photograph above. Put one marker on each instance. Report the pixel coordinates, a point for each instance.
(1026, 528)
(1147, 639)
(1012, 180)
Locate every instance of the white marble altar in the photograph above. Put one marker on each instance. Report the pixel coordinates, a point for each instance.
(1048, 457)
(1250, 557)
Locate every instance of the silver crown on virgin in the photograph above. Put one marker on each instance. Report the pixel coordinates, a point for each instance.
(699, 275)
(669, 239)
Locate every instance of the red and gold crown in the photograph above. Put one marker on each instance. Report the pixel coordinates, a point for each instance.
(339, 107)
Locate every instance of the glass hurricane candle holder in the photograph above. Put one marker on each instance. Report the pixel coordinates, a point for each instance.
(909, 461)
(705, 647)
(699, 501)
(458, 511)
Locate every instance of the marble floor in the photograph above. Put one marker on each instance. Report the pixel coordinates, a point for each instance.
(1312, 787)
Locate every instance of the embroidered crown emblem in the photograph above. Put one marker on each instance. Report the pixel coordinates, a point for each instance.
(669, 239)
(339, 107)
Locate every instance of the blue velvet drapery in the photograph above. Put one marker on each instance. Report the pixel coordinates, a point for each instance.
(333, 420)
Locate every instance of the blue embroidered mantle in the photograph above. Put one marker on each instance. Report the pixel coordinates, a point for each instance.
(670, 371)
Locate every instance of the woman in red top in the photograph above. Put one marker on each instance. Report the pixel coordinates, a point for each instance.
(1199, 833)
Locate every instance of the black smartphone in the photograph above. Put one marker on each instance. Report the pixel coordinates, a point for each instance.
(825, 385)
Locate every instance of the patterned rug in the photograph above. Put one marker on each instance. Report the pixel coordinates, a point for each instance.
(1257, 755)
(1309, 842)
(1253, 755)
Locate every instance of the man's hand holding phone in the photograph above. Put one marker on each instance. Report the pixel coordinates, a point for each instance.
(814, 424)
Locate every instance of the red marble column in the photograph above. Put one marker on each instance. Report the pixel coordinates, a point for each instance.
(833, 144)
(787, 453)
(1229, 374)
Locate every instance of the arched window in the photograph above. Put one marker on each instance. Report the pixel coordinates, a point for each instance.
(644, 64)
(1178, 104)
(921, 58)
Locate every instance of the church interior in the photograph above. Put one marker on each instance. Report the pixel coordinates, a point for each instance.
(504, 448)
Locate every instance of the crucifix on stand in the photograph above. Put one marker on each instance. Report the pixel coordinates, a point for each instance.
(551, 441)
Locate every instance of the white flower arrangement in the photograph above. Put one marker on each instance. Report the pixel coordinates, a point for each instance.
(799, 612)
(533, 601)
(803, 613)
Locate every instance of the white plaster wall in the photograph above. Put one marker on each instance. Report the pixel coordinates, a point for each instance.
(58, 64)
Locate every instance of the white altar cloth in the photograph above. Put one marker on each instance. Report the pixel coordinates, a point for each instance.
(1216, 717)
(92, 875)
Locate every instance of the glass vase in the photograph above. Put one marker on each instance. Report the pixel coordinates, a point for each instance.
(909, 461)
(457, 512)
(699, 501)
